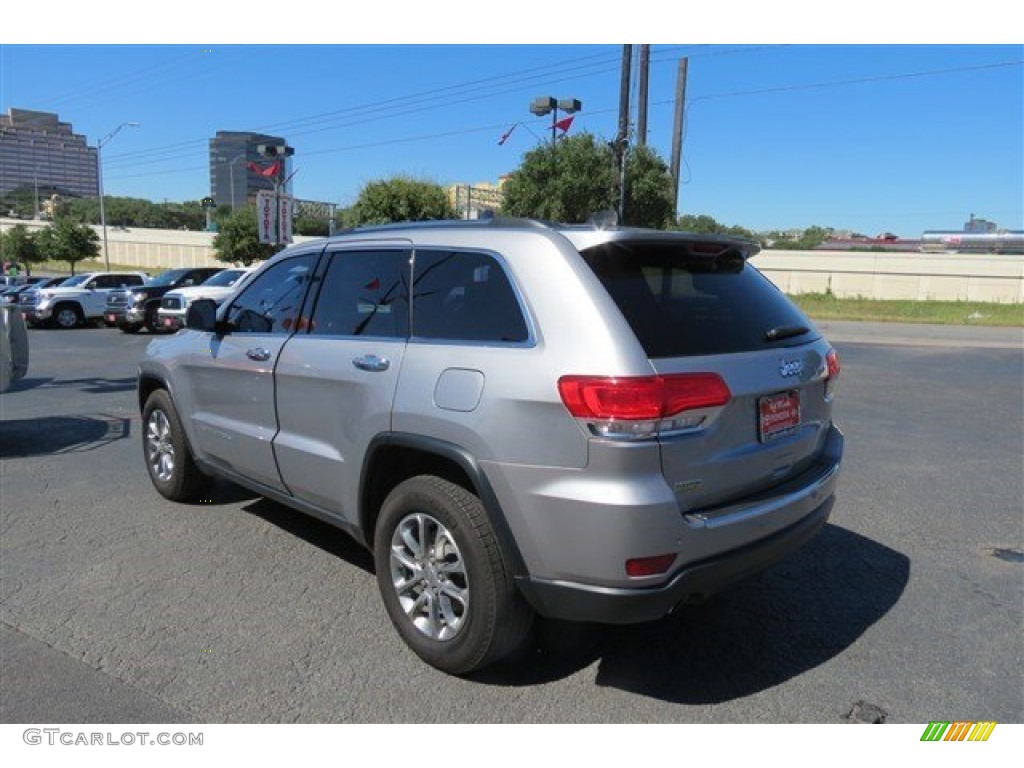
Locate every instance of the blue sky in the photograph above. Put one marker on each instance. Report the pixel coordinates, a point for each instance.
(873, 138)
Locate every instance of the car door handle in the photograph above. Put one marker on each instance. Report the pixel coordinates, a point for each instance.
(371, 363)
(258, 354)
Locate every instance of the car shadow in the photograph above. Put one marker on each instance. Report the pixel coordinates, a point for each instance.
(21, 438)
(94, 385)
(21, 385)
(792, 618)
(327, 537)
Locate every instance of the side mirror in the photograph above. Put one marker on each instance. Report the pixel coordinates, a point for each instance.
(202, 315)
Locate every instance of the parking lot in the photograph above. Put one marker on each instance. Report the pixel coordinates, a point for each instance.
(118, 606)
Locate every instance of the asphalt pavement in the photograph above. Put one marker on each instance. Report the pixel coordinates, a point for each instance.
(118, 606)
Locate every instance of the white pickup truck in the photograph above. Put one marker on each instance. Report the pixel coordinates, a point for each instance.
(13, 347)
(77, 300)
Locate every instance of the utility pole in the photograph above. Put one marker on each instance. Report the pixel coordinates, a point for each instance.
(677, 132)
(622, 137)
(641, 118)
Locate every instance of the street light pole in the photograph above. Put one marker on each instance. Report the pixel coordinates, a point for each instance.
(99, 177)
(544, 105)
(231, 175)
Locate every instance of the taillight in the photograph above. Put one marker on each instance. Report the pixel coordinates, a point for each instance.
(638, 407)
(832, 363)
(832, 359)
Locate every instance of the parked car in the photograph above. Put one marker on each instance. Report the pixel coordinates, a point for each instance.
(587, 423)
(175, 304)
(12, 295)
(78, 300)
(133, 309)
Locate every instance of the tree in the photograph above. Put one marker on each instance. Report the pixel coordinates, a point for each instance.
(237, 239)
(703, 224)
(575, 178)
(66, 240)
(809, 239)
(649, 200)
(568, 181)
(137, 212)
(19, 245)
(310, 226)
(401, 198)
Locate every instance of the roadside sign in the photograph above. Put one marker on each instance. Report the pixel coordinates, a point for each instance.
(266, 217)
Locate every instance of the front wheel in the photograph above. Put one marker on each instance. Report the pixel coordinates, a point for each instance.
(67, 316)
(445, 584)
(168, 459)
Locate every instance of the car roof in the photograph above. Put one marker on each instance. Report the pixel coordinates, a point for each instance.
(581, 236)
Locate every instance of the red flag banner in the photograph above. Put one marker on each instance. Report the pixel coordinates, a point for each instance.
(504, 136)
(564, 123)
(271, 170)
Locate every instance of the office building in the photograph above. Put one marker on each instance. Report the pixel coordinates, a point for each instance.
(39, 152)
(235, 165)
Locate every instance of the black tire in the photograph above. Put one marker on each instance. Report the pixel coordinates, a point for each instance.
(152, 322)
(489, 619)
(67, 316)
(166, 452)
(130, 328)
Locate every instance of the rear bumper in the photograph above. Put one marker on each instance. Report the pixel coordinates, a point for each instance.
(746, 536)
(581, 602)
(171, 318)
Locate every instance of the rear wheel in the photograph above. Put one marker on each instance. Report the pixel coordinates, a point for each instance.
(168, 459)
(67, 316)
(444, 582)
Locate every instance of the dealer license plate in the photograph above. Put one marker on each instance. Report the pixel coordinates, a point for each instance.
(778, 415)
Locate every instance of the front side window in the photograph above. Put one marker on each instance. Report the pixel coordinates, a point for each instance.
(364, 293)
(272, 302)
(464, 296)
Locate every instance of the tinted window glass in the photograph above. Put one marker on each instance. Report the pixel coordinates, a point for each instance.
(271, 303)
(681, 304)
(464, 297)
(364, 293)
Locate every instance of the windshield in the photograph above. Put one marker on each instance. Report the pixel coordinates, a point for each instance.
(227, 277)
(76, 280)
(170, 277)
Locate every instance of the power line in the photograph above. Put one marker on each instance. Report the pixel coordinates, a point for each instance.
(590, 113)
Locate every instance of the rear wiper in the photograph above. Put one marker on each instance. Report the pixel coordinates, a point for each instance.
(785, 332)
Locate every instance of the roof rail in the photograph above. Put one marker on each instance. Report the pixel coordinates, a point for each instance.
(492, 221)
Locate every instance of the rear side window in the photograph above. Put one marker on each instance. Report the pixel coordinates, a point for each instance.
(681, 303)
(464, 296)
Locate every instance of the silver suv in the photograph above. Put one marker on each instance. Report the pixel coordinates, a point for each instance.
(595, 424)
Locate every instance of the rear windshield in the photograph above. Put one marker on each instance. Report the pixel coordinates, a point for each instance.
(679, 303)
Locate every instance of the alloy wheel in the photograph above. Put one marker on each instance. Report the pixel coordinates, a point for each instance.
(429, 576)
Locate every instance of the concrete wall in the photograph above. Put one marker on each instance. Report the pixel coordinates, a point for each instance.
(870, 275)
(151, 249)
(976, 277)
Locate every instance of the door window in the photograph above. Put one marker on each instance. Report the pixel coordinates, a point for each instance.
(273, 301)
(364, 293)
